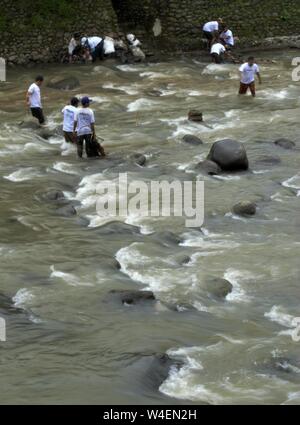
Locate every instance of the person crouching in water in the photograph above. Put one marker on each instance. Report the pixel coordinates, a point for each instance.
(69, 113)
(135, 48)
(84, 130)
(248, 72)
(217, 52)
(75, 49)
(33, 99)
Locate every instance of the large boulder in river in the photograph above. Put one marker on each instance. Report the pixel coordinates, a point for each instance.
(139, 159)
(192, 140)
(70, 83)
(217, 287)
(195, 116)
(230, 155)
(245, 208)
(285, 143)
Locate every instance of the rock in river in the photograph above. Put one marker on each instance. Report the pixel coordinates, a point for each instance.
(245, 208)
(230, 155)
(208, 167)
(133, 297)
(192, 140)
(285, 143)
(70, 83)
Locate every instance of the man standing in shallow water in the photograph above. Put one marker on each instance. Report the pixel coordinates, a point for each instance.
(33, 99)
(248, 71)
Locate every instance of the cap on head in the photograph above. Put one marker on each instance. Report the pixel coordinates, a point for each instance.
(85, 101)
(74, 101)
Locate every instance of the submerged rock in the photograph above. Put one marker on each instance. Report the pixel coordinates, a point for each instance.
(139, 159)
(245, 208)
(192, 140)
(70, 83)
(269, 160)
(195, 116)
(285, 143)
(230, 155)
(67, 211)
(30, 125)
(217, 287)
(54, 195)
(133, 297)
(208, 167)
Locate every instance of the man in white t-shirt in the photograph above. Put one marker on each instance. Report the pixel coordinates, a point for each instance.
(69, 113)
(33, 99)
(211, 30)
(95, 45)
(227, 38)
(217, 52)
(248, 72)
(84, 131)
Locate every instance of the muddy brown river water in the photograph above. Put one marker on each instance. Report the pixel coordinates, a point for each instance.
(68, 339)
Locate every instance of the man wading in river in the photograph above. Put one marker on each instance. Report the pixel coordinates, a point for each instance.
(84, 125)
(69, 113)
(33, 99)
(248, 71)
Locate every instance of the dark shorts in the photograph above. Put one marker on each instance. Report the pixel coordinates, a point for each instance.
(69, 137)
(244, 88)
(38, 113)
(208, 35)
(216, 58)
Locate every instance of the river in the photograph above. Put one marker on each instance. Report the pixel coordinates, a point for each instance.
(68, 339)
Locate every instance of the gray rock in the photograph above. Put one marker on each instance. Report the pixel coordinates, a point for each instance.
(54, 195)
(230, 155)
(29, 125)
(269, 160)
(70, 83)
(208, 167)
(217, 287)
(66, 211)
(195, 116)
(133, 297)
(245, 208)
(139, 159)
(192, 140)
(285, 143)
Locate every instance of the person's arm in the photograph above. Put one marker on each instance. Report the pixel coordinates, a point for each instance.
(28, 95)
(74, 127)
(93, 130)
(259, 77)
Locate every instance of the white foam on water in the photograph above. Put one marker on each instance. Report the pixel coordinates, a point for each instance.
(293, 398)
(153, 75)
(127, 89)
(227, 178)
(142, 104)
(69, 278)
(23, 298)
(235, 277)
(36, 147)
(129, 68)
(66, 168)
(23, 174)
(293, 182)
(278, 315)
(209, 241)
(215, 69)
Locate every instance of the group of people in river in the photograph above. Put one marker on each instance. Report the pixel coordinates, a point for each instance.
(220, 40)
(113, 45)
(78, 120)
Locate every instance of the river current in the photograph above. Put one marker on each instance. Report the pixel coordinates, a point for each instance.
(68, 340)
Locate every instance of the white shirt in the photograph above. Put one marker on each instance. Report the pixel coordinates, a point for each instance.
(69, 112)
(92, 41)
(35, 96)
(85, 118)
(248, 73)
(227, 36)
(211, 26)
(217, 48)
(109, 45)
(72, 45)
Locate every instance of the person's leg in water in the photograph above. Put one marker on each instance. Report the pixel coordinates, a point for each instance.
(216, 58)
(209, 38)
(252, 89)
(38, 113)
(80, 146)
(88, 145)
(243, 88)
(99, 51)
(69, 137)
